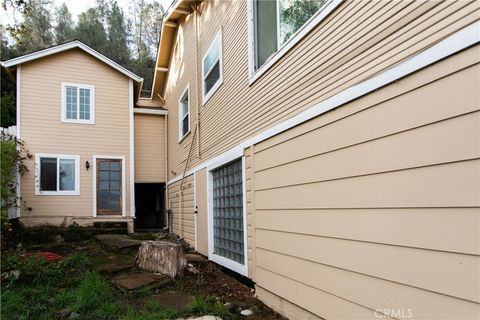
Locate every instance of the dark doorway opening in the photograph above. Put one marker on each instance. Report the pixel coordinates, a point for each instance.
(149, 206)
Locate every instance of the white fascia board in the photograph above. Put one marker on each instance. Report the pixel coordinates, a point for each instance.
(150, 111)
(456, 42)
(68, 46)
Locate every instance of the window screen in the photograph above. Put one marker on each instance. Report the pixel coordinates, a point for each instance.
(228, 212)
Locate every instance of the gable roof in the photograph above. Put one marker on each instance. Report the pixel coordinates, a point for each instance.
(67, 46)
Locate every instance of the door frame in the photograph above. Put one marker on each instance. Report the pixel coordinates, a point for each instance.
(94, 177)
(230, 264)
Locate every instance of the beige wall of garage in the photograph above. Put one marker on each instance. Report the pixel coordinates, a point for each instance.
(149, 148)
(376, 205)
(43, 131)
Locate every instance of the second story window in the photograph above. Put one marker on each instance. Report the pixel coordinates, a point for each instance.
(278, 21)
(184, 114)
(212, 68)
(78, 103)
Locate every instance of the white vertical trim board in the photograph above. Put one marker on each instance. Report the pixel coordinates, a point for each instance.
(18, 192)
(95, 157)
(456, 42)
(230, 264)
(195, 209)
(132, 149)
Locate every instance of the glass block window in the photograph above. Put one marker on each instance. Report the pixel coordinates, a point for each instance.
(228, 212)
(77, 103)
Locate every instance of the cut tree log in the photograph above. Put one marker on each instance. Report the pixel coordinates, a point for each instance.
(161, 257)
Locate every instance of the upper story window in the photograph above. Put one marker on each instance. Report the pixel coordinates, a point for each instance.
(279, 24)
(78, 103)
(57, 174)
(212, 68)
(184, 114)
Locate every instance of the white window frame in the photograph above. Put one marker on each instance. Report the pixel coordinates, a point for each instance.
(289, 44)
(207, 96)
(64, 103)
(180, 119)
(59, 192)
(124, 178)
(242, 269)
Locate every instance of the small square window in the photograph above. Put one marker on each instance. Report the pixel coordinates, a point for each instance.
(77, 103)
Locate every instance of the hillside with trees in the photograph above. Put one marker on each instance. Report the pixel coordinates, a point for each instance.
(128, 38)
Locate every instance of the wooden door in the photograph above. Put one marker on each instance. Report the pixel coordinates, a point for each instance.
(109, 186)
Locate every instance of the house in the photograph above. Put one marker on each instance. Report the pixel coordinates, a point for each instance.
(81, 117)
(331, 156)
(329, 153)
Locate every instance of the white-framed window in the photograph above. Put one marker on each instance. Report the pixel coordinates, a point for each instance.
(212, 68)
(184, 114)
(57, 174)
(227, 225)
(277, 25)
(78, 103)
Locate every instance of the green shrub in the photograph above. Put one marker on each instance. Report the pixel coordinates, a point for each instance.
(76, 233)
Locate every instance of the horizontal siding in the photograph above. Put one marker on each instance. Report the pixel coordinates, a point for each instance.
(43, 132)
(385, 33)
(150, 154)
(376, 204)
(183, 220)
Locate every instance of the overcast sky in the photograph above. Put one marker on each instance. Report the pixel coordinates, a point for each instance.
(76, 7)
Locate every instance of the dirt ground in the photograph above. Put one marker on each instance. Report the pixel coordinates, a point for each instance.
(200, 279)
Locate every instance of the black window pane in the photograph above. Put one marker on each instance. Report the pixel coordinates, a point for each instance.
(48, 174)
(185, 125)
(212, 77)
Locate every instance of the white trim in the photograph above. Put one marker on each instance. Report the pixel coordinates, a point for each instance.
(195, 209)
(162, 69)
(282, 49)
(94, 172)
(150, 111)
(180, 119)
(37, 175)
(456, 42)
(227, 263)
(132, 149)
(91, 88)
(218, 38)
(68, 46)
(18, 124)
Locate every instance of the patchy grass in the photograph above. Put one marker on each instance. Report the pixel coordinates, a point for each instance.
(207, 305)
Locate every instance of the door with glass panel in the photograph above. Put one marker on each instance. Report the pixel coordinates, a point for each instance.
(109, 186)
(228, 232)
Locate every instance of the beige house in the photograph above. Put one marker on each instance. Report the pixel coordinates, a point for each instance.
(331, 157)
(77, 114)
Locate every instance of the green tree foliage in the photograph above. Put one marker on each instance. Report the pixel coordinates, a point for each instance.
(37, 31)
(91, 31)
(295, 13)
(63, 30)
(117, 35)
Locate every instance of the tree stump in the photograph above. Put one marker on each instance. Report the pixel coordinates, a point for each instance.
(161, 257)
